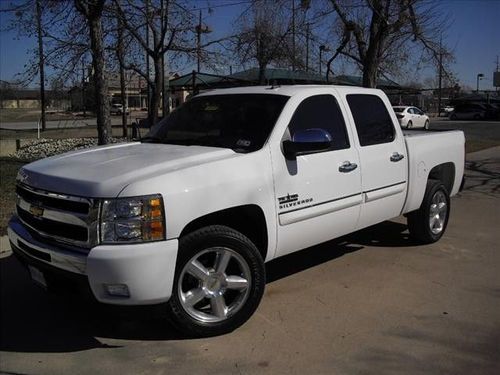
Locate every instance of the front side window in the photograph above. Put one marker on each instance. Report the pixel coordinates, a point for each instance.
(321, 112)
(242, 122)
(373, 122)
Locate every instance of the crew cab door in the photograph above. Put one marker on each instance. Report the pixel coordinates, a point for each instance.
(383, 158)
(318, 195)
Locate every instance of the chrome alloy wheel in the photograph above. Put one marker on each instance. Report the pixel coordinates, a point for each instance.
(438, 212)
(214, 284)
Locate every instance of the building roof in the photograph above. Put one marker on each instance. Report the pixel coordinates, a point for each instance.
(205, 80)
(358, 81)
(280, 75)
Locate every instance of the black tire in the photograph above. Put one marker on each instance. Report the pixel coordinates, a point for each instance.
(453, 116)
(409, 125)
(199, 243)
(419, 221)
(426, 126)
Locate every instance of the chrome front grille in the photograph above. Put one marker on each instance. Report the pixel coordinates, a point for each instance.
(58, 218)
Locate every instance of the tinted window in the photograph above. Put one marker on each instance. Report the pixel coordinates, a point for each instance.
(373, 123)
(241, 122)
(321, 111)
(411, 111)
(398, 109)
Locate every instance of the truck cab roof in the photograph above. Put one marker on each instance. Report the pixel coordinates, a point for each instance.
(289, 90)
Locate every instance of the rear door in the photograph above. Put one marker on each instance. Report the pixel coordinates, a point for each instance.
(317, 197)
(383, 158)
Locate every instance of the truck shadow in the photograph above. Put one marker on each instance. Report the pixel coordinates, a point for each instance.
(33, 320)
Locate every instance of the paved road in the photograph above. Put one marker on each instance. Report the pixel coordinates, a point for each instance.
(65, 124)
(369, 303)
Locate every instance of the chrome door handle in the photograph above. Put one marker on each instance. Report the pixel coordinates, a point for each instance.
(347, 166)
(396, 156)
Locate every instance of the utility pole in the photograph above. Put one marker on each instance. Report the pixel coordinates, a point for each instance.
(83, 87)
(41, 62)
(200, 29)
(440, 76)
(165, 74)
(148, 86)
(307, 46)
(198, 42)
(496, 88)
(293, 35)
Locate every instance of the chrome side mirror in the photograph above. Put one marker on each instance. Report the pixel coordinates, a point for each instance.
(307, 142)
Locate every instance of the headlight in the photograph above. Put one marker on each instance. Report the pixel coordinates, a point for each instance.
(136, 219)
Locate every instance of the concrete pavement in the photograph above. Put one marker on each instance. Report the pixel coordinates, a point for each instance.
(369, 303)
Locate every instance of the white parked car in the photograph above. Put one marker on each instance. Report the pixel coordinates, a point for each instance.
(228, 181)
(411, 117)
(117, 109)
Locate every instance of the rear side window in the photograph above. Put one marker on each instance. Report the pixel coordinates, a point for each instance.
(321, 111)
(373, 122)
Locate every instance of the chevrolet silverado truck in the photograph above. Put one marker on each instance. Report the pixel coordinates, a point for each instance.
(188, 216)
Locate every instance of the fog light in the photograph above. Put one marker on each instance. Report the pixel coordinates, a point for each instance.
(117, 290)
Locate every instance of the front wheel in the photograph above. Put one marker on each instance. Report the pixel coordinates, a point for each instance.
(426, 126)
(409, 125)
(219, 281)
(428, 223)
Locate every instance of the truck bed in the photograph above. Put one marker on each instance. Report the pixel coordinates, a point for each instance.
(426, 150)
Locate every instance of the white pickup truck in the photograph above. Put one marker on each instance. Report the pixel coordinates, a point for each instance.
(232, 179)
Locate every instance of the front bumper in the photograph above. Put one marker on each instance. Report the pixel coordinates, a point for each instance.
(146, 269)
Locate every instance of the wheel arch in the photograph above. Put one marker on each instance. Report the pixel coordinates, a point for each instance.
(246, 219)
(445, 173)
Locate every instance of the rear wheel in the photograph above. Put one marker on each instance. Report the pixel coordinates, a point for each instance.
(219, 281)
(428, 223)
(453, 116)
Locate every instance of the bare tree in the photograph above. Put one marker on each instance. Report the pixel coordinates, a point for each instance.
(376, 33)
(264, 36)
(92, 10)
(157, 26)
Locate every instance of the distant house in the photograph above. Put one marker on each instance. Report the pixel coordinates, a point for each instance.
(13, 97)
(136, 92)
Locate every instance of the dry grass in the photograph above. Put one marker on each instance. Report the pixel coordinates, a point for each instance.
(8, 172)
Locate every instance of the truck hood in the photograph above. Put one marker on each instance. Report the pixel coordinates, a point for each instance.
(106, 170)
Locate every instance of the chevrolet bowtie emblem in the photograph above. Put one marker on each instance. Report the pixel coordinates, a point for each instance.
(36, 211)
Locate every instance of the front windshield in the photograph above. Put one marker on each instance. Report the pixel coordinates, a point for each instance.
(242, 122)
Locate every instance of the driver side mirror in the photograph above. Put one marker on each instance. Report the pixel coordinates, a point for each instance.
(307, 142)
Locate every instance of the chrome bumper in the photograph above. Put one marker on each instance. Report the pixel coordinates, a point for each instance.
(53, 256)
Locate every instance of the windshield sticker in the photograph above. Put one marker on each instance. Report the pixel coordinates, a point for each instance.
(243, 143)
(292, 200)
(211, 107)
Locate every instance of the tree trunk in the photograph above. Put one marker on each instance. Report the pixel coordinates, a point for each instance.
(121, 57)
(100, 82)
(156, 91)
(41, 63)
(370, 74)
(262, 74)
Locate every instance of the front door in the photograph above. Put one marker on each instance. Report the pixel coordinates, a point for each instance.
(318, 195)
